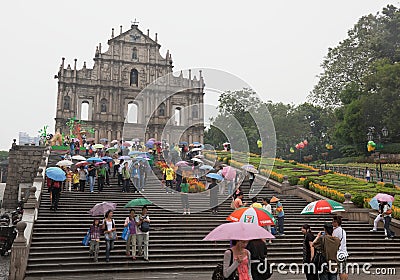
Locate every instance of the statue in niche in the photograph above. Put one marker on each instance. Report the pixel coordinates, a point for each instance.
(103, 107)
(195, 112)
(67, 103)
(161, 110)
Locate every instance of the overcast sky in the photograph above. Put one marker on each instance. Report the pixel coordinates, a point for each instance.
(275, 46)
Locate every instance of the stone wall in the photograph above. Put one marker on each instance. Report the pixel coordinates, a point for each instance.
(23, 167)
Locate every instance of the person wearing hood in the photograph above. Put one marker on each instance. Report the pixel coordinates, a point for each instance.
(328, 245)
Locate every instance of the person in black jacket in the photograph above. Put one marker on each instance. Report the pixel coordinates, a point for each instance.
(260, 269)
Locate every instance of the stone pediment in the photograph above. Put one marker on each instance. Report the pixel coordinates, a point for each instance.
(134, 36)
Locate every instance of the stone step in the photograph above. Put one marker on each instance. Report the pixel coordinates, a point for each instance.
(175, 240)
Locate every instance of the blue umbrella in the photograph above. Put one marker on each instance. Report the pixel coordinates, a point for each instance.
(183, 143)
(196, 143)
(206, 167)
(149, 144)
(215, 176)
(94, 160)
(124, 158)
(138, 153)
(107, 159)
(375, 204)
(56, 174)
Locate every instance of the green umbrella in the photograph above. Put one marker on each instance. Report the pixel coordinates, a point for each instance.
(112, 150)
(138, 202)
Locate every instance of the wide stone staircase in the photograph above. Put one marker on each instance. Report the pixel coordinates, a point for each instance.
(175, 240)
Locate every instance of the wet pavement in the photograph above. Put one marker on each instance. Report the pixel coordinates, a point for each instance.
(4, 267)
(200, 276)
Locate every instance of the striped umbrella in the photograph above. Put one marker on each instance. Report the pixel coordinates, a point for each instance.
(252, 215)
(322, 207)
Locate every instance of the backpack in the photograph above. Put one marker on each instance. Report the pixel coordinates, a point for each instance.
(145, 226)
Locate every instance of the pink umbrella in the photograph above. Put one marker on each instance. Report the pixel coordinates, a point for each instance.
(229, 173)
(181, 163)
(100, 163)
(126, 144)
(82, 163)
(101, 208)
(152, 140)
(384, 197)
(238, 231)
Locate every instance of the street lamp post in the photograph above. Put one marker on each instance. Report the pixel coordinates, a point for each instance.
(370, 135)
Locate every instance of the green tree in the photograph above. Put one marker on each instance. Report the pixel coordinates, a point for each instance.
(234, 117)
(3, 155)
(373, 37)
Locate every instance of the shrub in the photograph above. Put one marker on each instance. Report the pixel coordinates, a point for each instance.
(358, 200)
(306, 183)
(294, 163)
(286, 161)
(293, 180)
(388, 185)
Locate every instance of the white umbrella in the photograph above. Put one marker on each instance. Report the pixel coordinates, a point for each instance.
(79, 157)
(196, 149)
(64, 163)
(199, 156)
(197, 160)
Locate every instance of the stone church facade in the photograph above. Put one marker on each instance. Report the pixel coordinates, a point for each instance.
(170, 109)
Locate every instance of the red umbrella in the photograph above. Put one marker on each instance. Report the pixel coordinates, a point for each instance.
(126, 144)
(252, 215)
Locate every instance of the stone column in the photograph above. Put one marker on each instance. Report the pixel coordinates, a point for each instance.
(32, 201)
(19, 254)
(96, 135)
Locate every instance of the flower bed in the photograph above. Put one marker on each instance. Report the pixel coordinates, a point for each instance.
(325, 182)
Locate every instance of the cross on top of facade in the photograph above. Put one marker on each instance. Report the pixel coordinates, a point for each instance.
(134, 23)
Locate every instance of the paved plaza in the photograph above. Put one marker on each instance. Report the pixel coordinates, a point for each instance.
(200, 276)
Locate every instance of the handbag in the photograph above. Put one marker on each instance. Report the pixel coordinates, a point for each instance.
(86, 239)
(125, 233)
(110, 236)
(218, 273)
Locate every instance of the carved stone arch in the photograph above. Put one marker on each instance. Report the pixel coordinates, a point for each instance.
(134, 77)
(132, 115)
(85, 110)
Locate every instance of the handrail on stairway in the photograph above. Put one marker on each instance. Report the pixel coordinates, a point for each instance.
(21, 246)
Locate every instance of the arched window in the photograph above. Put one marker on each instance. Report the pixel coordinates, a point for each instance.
(177, 116)
(103, 105)
(161, 110)
(134, 77)
(67, 103)
(85, 111)
(134, 53)
(132, 113)
(195, 112)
